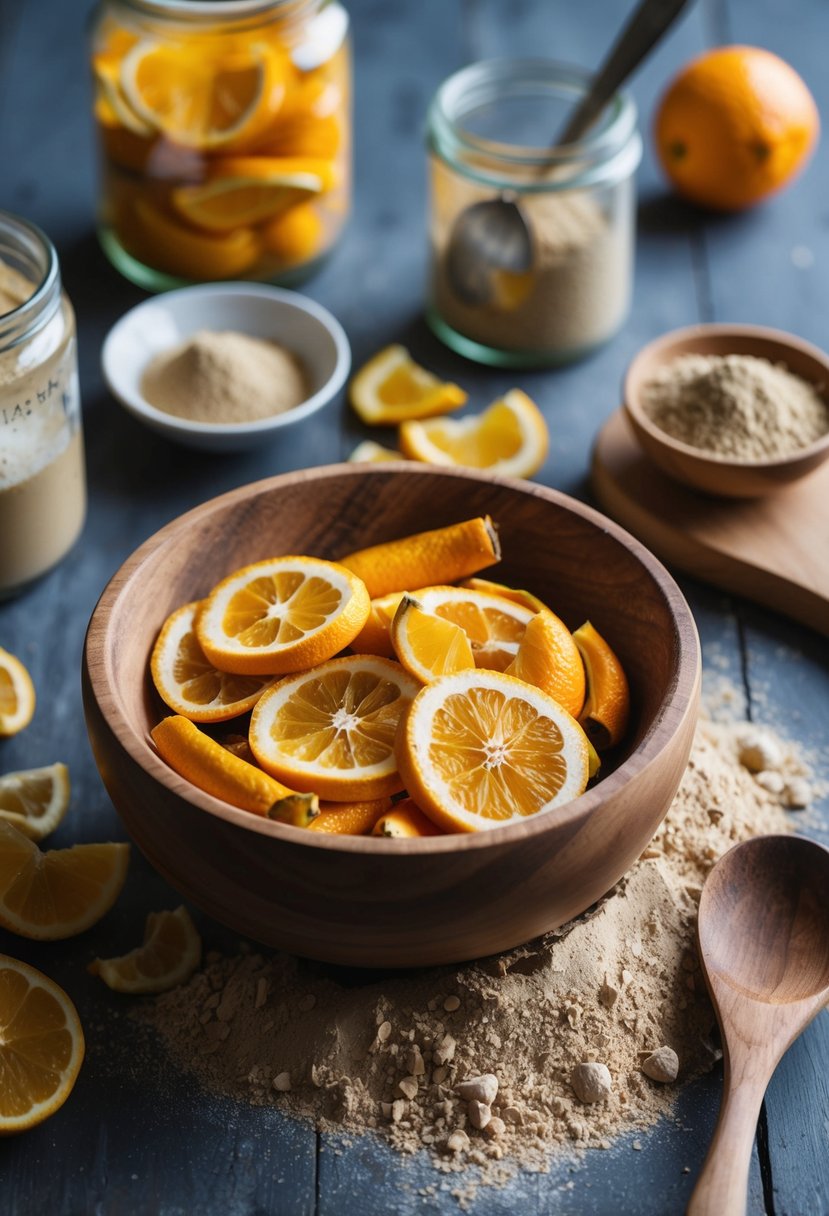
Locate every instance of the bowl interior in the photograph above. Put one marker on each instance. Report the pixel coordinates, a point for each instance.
(576, 560)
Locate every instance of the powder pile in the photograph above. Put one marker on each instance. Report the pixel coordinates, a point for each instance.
(483, 1063)
(735, 405)
(225, 377)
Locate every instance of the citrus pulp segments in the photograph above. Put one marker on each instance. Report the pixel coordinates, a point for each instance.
(494, 625)
(479, 749)
(392, 388)
(187, 681)
(282, 615)
(38, 1078)
(168, 956)
(331, 730)
(17, 695)
(35, 800)
(510, 438)
(427, 644)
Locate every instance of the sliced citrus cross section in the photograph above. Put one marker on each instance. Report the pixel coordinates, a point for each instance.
(53, 895)
(607, 703)
(479, 749)
(35, 800)
(332, 729)
(249, 189)
(41, 1046)
(281, 615)
(493, 625)
(428, 645)
(188, 682)
(169, 954)
(438, 556)
(391, 388)
(510, 437)
(548, 658)
(17, 695)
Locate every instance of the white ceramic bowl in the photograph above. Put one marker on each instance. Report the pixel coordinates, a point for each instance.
(297, 323)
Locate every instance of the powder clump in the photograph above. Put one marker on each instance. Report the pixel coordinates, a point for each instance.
(735, 405)
(224, 376)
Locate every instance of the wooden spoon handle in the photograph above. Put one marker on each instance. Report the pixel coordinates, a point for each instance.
(722, 1187)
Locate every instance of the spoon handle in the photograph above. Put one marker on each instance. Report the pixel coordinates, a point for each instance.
(722, 1187)
(647, 25)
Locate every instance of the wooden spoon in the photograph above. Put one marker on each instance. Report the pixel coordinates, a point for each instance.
(763, 935)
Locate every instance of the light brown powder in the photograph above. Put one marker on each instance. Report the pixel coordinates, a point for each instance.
(15, 289)
(735, 405)
(611, 988)
(225, 377)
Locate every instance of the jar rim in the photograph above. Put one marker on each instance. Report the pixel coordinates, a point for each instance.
(210, 11)
(27, 318)
(591, 157)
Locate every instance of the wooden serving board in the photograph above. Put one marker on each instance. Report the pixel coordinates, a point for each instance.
(774, 550)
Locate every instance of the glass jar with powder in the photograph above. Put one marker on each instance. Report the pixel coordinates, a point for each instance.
(491, 127)
(42, 481)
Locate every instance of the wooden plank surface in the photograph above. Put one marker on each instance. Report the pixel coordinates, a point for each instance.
(136, 1138)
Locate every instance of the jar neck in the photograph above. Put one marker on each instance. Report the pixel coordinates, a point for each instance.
(29, 252)
(465, 131)
(225, 15)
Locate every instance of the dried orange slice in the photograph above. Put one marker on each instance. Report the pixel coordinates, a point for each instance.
(369, 452)
(493, 625)
(350, 818)
(429, 645)
(549, 659)
(204, 95)
(479, 749)
(375, 636)
(332, 729)
(439, 556)
(17, 695)
(391, 387)
(188, 682)
(244, 190)
(403, 821)
(168, 956)
(53, 895)
(215, 769)
(510, 438)
(607, 703)
(35, 800)
(281, 615)
(41, 1046)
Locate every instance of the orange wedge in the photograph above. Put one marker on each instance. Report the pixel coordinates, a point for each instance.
(204, 95)
(403, 821)
(189, 683)
(155, 237)
(391, 387)
(439, 556)
(369, 452)
(549, 659)
(36, 799)
(479, 749)
(429, 645)
(509, 438)
(493, 625)
(41, 1046)
(281, 615)
(607, 703)
(245, 190)
(17, 695)
(53, 895)
(297, 235)
(214, 769)
(332, 729)
(375, 636)
(168, 956)
(350, 818)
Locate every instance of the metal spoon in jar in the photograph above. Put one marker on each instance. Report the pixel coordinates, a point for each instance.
(763, 935)
(494, 235)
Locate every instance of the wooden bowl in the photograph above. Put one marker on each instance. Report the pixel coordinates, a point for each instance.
(722, 475)
(394, 903)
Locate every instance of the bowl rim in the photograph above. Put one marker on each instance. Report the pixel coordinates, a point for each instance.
(680, 698)
(137, 404)
(717, 329)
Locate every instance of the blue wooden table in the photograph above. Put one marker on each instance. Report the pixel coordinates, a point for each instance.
(135, 1138)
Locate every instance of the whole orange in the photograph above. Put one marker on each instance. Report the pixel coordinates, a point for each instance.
(735, 125)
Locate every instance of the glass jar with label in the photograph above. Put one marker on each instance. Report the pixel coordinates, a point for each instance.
(42, 480)
(224, 136)
(491, 126)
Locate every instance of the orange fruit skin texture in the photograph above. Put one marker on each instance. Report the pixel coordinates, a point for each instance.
(735, 125)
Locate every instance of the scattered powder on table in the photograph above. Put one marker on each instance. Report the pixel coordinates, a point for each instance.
(484, 1064)
(225, 377)
(735, 405)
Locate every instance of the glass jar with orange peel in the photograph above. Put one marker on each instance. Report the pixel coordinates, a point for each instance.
(224, 130)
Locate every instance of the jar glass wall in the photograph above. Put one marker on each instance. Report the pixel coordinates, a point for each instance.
(490, 127)
(224, 130)
(42, 479)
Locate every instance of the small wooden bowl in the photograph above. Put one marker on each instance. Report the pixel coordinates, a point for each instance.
(392, 903)
(722, 475)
